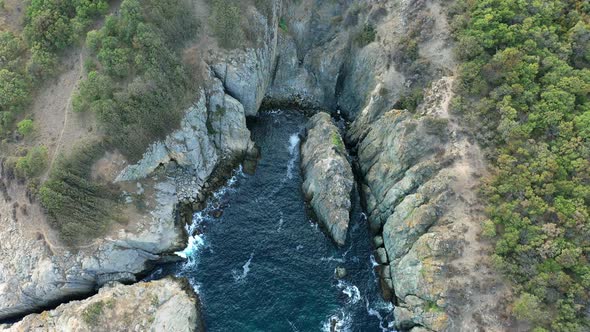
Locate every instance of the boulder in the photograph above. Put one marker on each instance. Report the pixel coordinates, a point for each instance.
(328, 178)
(340, 272)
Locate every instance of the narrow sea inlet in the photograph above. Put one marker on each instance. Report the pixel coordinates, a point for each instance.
(260, 262)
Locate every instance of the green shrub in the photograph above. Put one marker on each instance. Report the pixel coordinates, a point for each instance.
(12, 51)
(90, 65)
(25, 127)
(431, 306)
(54, 25)
(50, 27)
(6, 121)
(365, 36)
(283, 24)
(488, 229)
(79, 208)
(14, 91)
(33, 163)
(411, 100)
(337, 142)
(92, 91)
(92, 314)
(528, 307)
(42, 64)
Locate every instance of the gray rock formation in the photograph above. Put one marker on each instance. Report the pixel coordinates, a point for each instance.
(163, 305)
(328, 178)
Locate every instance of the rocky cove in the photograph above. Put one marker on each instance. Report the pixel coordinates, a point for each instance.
(416, 172)
(261, 262)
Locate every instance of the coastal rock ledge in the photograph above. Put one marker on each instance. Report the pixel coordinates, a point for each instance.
(328, 178)
(163, 305)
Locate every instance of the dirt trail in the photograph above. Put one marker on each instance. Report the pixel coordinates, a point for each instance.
(472, 275)
(67, 111)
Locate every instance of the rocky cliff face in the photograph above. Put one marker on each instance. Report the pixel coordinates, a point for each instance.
(163, 305)
(420, 178)
(328, 176)
(419, 172)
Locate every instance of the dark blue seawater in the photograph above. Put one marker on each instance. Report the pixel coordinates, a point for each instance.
(264, 265)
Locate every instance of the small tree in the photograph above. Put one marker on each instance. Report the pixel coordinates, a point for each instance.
(33, 163)
(527, 307)
(25, 127)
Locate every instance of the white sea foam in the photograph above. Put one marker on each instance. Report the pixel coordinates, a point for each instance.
(373, 261)
(342, 323)
(230, 185)
(332, 259)
(197, 241)
(350, 290)
(313, 224)
(384, 306)
(245, 269)
(281, 222)
(194, 243)
(293, 326)
(347, 251)
(294, 141)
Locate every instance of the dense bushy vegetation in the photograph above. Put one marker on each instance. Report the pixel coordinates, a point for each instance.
(27, 164)
(78, 207)
(141, 85)
(50, 27)
(33, 163)
(525, 85)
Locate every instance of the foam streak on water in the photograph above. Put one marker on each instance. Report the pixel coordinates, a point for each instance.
(245, 269)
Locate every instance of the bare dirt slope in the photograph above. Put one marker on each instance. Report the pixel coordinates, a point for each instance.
(58, 127)
(472, 277)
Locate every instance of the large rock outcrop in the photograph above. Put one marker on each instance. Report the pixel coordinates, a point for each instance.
(420, 178)
(37, 271)
(163, 305)
(328, 178)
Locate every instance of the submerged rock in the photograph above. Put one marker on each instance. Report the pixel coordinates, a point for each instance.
(340, 272)
(163, 305)
(328, 176)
